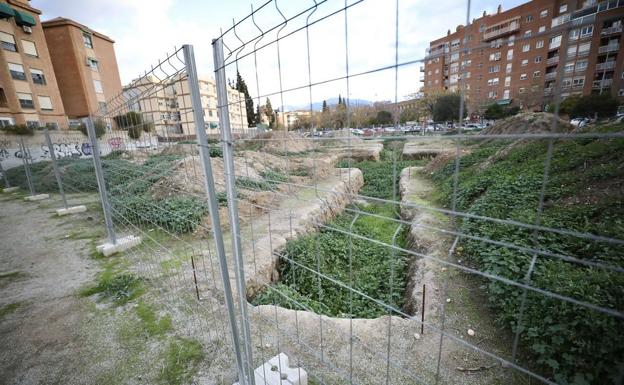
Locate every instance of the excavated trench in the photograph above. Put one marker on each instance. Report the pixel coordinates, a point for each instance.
(314, 268)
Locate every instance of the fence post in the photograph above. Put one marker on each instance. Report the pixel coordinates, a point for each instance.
(57, 174)
(213, 208)
(26, 166)
(7, 185)
(95, 149)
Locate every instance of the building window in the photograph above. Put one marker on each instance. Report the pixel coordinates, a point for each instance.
(527, 33)
(510, 54)
(37, 76)
(25, 100)
(493, 82)
(581, 65)
(92, 63)
(536, 74)
(511, 40)
(538, 59)
(32, 124)
(539, 44)
(587, 31)
(5, 122)
(506, 94)
(543, 14)
(574, 34)
(526, 47)
(52, 125)
(8, 42)
(98, 86)
(492, 94)
(495, 56)
(17, 71)
(583, 49)
(525, 62)
(555, 42)
(45, 103)
(29, 48)
(529, 18)
(86, 38)
(523, 76)
(493, 69)
(507, 81)
(578, 82)
(621, 92)
(521, 90)
(569, 67)
(542, 29)
(563, 8)
(508, 68)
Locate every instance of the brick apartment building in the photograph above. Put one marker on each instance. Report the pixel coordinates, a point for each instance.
(520, 56)
(29, 92)
(54, 73)
(85, 66)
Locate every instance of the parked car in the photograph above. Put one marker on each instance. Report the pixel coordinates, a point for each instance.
(579, 122)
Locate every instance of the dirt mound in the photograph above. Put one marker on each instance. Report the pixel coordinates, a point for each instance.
(281, 141)
(528, 123)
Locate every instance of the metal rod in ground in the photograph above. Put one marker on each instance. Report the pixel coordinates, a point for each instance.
(194, 276)
(26, 167)
(422, 313)
(57, 174)
(95, 148)
(5, 177)
(213, 207)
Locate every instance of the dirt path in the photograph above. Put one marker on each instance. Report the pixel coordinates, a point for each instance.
(41, 268)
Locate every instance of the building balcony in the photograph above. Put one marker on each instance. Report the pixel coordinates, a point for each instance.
(611, 30)
(605, 66)
(609, 48)
(550, 75)
(503, 28)
(553, 60)
(554, 45)
(602, 83)
(582, 53)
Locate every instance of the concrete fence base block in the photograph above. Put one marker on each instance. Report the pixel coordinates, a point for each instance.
(38, 197)
(10, 189)
(71, 210)
(122, 244)
(276, 371)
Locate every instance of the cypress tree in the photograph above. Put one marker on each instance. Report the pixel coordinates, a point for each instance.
(241, 86)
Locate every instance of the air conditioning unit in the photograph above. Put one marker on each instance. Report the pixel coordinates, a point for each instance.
(27, 29)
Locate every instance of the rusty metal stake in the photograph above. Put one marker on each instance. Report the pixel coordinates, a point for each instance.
(194, 276)
(422, 316)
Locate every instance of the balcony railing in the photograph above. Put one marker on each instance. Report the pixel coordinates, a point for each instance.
(553, 60)
(513, 26)
(550, 75)
(611, 30)
(609, 48)
(602, 83)
(605, 66)
(582, 53)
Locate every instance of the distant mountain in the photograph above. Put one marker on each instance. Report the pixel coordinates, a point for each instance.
(317, 106)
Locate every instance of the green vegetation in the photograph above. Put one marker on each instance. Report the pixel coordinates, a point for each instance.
(7, 278)
(181, 361)
(129, 186)
(99, 126)
(255, 184)
(573, 344)
(496, 111)
(586, 106)
(18, 129)
(8, 309)
(115, 283)
(367, 266)
(152, 324)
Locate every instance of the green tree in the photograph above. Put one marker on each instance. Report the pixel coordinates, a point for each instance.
(99, 125)
(446, 108)
(325, 107)
(383, 117)
(409, 115)
(268, 111)
(241, 86)
(601, 106)
(494, 111)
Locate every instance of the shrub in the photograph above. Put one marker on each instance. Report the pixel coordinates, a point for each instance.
(134, 132)
(99, 125)
(18, 129)
(603, 106)
(216, 152)
(254, 184)
(121, 288)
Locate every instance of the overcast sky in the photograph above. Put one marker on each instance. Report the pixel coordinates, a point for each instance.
(144, 30)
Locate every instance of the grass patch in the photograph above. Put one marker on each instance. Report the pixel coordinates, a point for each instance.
(181, 361)
(571, 343)
(151, 323)
(10, 308)
(115, 284)
(254, 184)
